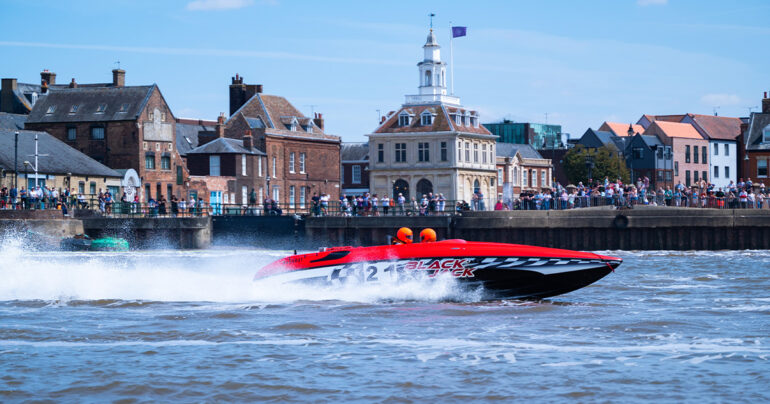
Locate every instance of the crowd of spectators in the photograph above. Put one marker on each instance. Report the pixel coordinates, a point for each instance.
(741, 195)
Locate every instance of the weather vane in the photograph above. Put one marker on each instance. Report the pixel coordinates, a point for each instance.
(118, 63)
(431, 20)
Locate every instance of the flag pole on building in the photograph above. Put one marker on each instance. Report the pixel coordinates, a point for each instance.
(451, 63)
(453, 33)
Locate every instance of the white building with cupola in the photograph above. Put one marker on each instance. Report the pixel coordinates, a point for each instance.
(432, 144)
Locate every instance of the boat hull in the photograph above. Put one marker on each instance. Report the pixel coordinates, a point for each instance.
(508, 275)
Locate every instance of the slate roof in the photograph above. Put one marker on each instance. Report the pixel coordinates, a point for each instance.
(277, 114)
(224, 145)
(354, 151)
(510, 150)
(651, 141)
(757, 124)
(717, 127)
(12, 121)
(442, 121)
(122, 104)
(187, 132)
(61, 157)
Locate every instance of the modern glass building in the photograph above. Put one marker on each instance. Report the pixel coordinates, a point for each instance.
(539, 135)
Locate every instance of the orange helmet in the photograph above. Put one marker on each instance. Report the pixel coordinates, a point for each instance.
(427, 236)
(404, 235)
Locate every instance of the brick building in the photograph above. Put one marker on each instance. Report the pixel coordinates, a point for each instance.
(225, 171)
(119, 126)
(301, 158)
(521, 168)
(756, 161)
(690, 150)
(354, 169)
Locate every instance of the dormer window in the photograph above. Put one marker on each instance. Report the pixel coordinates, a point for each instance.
(403, 119)
(124, 107)
(467, 119)
(474, 121)
(51, 109)
(101, 108)
(426, 118)
(458, 119)
(766, 134)
(74, 108)
(309, 128)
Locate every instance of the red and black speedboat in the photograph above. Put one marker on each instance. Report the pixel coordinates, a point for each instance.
(505, 271)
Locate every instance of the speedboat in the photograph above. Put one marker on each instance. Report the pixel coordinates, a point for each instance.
(503, 271)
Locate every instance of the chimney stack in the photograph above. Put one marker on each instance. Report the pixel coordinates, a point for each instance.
(47, 77)
(118, 77)
(221, 125)
(766, 104)
(259, 88)
(318, 120)
(248, 140)
(73, 84)
(7, 96)
(630, 130)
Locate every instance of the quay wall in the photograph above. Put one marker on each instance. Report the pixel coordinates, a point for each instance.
(149, 232)
(642, 228)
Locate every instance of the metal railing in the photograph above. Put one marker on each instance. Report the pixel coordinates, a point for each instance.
(411, 208)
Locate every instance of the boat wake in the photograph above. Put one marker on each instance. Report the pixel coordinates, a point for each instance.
(185, 276)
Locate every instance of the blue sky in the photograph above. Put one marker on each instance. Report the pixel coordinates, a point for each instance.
(581, 62)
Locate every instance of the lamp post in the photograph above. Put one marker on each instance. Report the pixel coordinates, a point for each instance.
(590, 167)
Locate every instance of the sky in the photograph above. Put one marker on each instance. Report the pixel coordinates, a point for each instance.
(574, 63)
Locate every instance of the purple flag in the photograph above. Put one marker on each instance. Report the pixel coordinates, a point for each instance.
(458, 31)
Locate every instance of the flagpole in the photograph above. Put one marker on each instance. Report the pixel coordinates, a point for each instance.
(451, 62)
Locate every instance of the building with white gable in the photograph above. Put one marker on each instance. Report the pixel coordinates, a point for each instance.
(432, 143)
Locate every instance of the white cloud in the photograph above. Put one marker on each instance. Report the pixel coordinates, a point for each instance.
(720, 100)
(652, 2)
(199, 5)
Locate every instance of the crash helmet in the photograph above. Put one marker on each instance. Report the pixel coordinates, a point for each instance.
(427, 236)
(404, 235)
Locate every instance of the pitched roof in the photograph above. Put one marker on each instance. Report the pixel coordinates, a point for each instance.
(187, 131)
(224, 145)
(651, 140)
(60, 159)
(119, 103)
(443, 121)
(277, 114)
(757, 124)
(717, 127)
(620, 129)
(678, 130)
(354, 151)
(12, 121)
(510, 150)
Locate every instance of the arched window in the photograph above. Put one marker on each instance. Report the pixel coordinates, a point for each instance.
(424, 187)
(428, 78)
(476, 186)
(400, 186)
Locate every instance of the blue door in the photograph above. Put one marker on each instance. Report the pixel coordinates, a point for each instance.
(216, 202)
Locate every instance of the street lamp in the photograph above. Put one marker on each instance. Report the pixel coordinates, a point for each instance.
(590, 166)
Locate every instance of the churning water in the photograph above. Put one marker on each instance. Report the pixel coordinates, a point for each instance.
(192, 326)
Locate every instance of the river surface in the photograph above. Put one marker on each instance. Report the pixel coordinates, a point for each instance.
(173, 326)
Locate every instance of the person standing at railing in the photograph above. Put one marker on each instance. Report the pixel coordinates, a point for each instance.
(385, 203)
(760, 200)
(401, 202)
(324, 205)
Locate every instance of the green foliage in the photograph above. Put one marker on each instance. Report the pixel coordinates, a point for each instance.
(607, 163)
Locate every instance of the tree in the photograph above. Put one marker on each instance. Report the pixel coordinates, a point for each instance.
(607, 163)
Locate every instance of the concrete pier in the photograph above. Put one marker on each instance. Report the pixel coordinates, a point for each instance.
(145, 232)
(642, 228)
